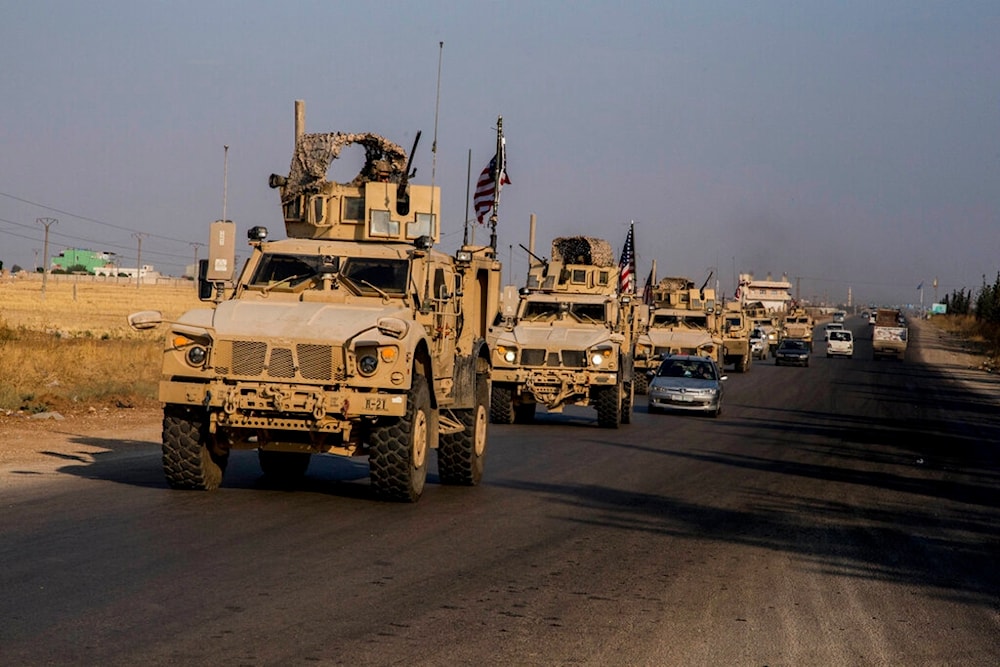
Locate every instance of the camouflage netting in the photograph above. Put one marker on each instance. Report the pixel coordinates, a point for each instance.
(582, 250)
(315, 152)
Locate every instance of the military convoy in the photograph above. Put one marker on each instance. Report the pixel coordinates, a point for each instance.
(682, 320)
(353, 336)
(566, 338)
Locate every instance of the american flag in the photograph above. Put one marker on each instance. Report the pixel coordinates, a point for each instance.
(483, 199)
(626, 266)
(647, 291)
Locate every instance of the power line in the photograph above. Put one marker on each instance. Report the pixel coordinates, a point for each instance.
(94, 220)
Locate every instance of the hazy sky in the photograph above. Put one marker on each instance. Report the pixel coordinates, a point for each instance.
(845, 144)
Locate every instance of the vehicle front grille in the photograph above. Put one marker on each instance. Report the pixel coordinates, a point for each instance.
(564, 358)
(255, 359)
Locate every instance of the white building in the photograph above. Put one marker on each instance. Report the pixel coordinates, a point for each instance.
(774, 294)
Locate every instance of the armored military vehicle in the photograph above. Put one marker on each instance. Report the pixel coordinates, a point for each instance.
(567, 339)
(353, 336)
(735, 330)
(682, 321)
(798, 325)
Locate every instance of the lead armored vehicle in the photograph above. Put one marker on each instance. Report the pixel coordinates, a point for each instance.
(567, 338)
(353, 336)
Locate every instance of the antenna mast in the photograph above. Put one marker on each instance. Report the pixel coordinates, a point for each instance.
(437, 106)
(225, 181)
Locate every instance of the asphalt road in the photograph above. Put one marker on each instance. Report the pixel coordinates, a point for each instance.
(840, 514)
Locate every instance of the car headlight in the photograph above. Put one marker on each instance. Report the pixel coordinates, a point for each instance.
(508, 354)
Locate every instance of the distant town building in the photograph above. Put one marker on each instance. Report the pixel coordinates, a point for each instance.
(77, 257)
(774, 294)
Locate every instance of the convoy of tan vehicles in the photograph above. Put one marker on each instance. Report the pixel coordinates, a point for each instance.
(353, 336)
(566, 338)
(682, 320)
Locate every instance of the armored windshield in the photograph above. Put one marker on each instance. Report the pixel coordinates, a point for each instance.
(288, 270)
(673, 320)
(544, 311)
(365, 275)
(374, 276)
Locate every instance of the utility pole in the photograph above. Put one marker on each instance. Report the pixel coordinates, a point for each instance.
(196, 245)
(138, 271)
(47, 222)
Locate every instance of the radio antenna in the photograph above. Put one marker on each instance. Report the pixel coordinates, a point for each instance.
(225, 178)
(437, 106)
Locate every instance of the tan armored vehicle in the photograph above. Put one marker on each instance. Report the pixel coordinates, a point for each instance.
(682, 321)
(567, 338)
(766, 323)
(798, 325)
(735, 330)
(353, 336)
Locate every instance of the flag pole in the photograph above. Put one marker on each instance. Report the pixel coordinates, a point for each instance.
(468, 186)
(497, 175)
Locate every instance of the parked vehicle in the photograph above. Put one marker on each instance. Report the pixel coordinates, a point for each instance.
(840, 343)
(792, 352)
(687, 383)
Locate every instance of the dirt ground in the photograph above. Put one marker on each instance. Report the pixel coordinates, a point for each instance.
(85, 431)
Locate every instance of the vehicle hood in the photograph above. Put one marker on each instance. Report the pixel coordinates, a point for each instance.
(334, 323)
(687, 338)
(572, 338)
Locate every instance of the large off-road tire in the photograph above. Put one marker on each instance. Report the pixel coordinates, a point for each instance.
(502, 404)
(609, 407)
(628, 397)
(461, 455)
(524, 413)
(398, 448)
(283, 467)
(190, 459)
(641, 383)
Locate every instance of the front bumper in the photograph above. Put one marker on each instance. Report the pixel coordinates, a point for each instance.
(282, 407)
(683, 401)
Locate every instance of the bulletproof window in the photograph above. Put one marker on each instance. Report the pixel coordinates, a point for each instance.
(288, 269)
(354, 208)
(370, 275)
(382, 224)
(422, 226)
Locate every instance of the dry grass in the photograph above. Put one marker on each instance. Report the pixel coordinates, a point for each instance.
(71, 348)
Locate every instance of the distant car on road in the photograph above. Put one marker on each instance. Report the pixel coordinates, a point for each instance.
(758, 344)
(831, 326)
(840, 343)
(792, 352)
(686, 382)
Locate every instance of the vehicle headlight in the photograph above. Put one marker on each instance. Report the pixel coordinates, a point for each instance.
(196, 355)
(367, 364)
(508, 354)
(600, 357)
